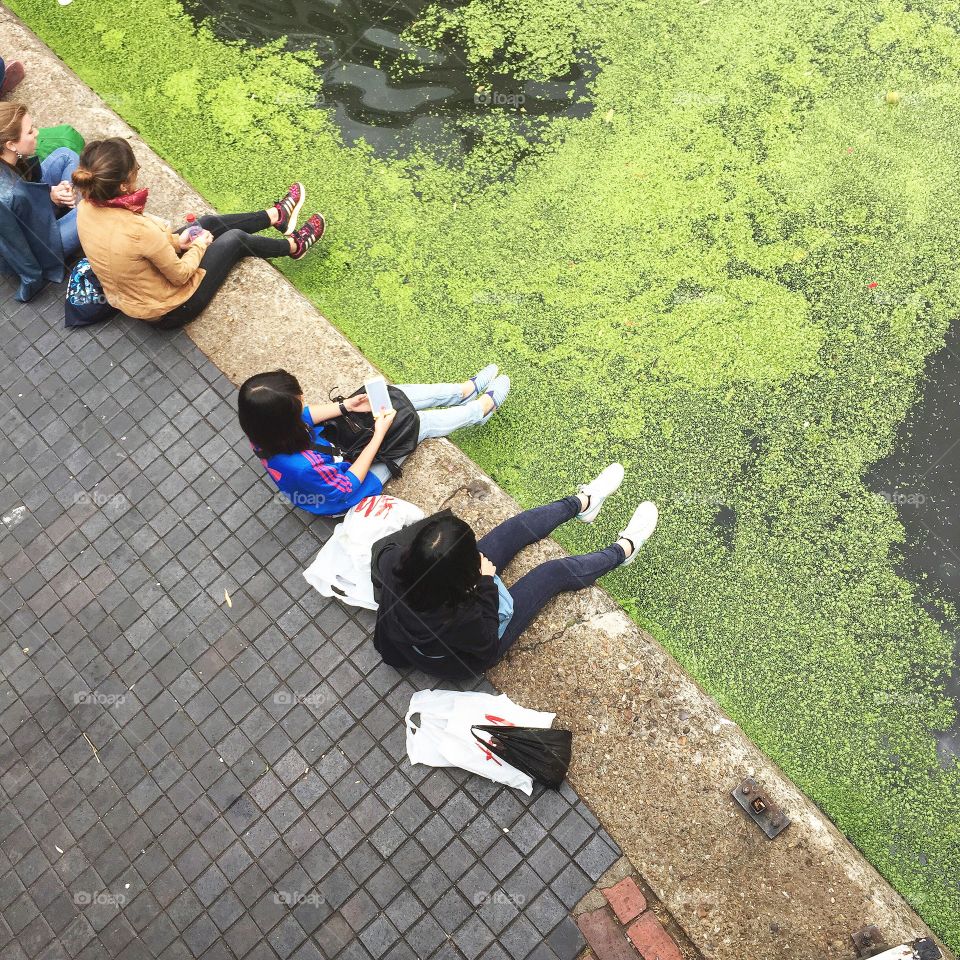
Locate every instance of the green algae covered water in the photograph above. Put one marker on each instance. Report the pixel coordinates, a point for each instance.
(729, 273)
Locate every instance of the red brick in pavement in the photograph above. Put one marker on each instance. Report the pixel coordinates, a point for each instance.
(627, 900)
(605, 936)
(653, 942)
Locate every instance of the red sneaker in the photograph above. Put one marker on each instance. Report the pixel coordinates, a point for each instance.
(289, 208)
(11, 79)
(308, 235)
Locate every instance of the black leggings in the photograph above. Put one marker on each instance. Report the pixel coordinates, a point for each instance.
(233, 240)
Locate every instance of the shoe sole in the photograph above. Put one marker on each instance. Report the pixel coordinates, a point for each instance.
(497, 406)
(14, 77)
(295, 212)
(637, 542)
(319, 237)
(590, 515)
(479, 393)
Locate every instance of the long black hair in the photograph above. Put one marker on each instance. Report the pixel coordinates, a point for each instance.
(441, 567)
(270, 406)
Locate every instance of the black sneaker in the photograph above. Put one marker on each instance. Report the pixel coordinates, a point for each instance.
(289, 208)
(308, 235)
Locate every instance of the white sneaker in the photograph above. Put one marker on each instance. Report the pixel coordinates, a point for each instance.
(499, 388)
(599, 489)
(481, 380)
(641, 526)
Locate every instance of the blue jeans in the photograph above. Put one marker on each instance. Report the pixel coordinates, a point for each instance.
(458, 412)
(59, 166)
(534, 590)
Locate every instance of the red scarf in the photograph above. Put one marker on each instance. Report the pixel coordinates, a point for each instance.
(134, 202)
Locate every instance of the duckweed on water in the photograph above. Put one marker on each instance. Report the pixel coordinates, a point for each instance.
(728, 276)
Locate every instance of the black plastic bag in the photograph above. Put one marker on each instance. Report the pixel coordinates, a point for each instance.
(541, 753)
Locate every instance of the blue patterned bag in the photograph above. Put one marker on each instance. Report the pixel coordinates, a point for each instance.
(86, 301)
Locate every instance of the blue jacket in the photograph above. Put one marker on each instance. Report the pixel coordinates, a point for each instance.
(30, 244)
(314, 480)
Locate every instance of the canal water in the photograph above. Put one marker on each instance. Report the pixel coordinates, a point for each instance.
(396, 96)
(920, 478)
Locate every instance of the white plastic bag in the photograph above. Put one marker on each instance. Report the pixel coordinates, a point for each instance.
(342, 567)
(442, 738)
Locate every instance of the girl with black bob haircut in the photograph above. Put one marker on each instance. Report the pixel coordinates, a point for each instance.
(287, 435)
(444, 610)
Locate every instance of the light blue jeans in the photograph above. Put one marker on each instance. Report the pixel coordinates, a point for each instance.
(456, 412)
(58, 166)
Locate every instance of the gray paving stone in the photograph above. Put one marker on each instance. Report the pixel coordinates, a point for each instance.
(261, 748)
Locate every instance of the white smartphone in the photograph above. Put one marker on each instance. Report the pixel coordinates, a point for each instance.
(379, 397)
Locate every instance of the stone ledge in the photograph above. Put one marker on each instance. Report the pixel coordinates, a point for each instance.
(655, 757)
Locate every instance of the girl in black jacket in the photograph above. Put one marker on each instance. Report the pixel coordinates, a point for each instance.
(444, 610)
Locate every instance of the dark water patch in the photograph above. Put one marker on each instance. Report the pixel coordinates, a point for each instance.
(920, 479)
(394, 95)
(724, 525)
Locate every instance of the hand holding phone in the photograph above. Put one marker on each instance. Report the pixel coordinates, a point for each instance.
(380, 402)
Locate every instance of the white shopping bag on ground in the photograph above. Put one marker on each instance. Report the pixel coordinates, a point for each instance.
(342, 567)
(442, 735)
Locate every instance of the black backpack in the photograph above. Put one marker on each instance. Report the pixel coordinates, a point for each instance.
(351, 432)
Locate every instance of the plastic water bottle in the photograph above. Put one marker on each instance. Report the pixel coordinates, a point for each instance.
(193, 228)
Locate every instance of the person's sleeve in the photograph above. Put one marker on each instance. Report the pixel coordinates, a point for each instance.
(340, 488)
(504, 606)
(488, 597)
(307, 417)
(155, 247)
(370, 486)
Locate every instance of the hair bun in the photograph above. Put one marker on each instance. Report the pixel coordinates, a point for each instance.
(82, 178)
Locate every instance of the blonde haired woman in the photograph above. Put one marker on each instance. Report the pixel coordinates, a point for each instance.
(18, 161)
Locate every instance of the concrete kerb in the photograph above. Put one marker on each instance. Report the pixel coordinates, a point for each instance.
(655, 757)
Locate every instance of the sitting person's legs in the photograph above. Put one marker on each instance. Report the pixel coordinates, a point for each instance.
(59, 166)
(235, 238)
(219, 223)
(69, 237)
(534, 590)
(424, 396)
(507, 539)
(226, 251)
(55, 168)
(442, 422)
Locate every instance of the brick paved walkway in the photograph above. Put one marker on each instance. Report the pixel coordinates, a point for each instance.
(249, 796)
